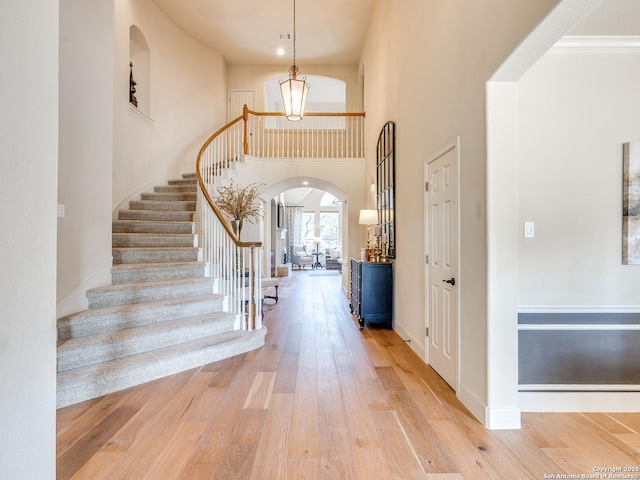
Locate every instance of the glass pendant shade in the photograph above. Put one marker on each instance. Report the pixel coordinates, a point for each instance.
(294, 95)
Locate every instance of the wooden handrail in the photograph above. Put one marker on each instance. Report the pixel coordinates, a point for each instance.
(245, 118)
(205, 192)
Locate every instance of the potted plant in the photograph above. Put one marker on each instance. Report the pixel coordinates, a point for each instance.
(240, 204)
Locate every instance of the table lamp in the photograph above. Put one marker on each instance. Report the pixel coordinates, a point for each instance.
(368, 217)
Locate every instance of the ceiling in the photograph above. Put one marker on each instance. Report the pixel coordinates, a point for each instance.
(329, 32)
(246, 32)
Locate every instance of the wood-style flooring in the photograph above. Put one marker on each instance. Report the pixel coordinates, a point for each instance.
(322, 400)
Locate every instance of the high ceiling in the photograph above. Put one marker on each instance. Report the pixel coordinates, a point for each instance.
(245, 32)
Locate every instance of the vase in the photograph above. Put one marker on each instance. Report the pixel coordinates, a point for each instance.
(236, 225)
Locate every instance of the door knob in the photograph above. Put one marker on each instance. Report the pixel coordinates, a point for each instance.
(452, 281)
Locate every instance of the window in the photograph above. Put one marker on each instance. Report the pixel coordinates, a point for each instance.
(330, 229)
(325, 95)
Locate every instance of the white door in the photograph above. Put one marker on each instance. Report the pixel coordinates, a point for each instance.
(237, 100)
(442, 265)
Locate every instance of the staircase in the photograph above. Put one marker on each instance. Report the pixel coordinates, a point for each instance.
(160, 316)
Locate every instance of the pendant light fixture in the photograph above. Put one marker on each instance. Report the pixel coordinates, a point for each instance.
(294, 91)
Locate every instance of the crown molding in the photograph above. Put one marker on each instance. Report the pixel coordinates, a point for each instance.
(597, 44)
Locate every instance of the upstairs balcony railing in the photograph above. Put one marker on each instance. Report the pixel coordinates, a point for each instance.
(236, 266)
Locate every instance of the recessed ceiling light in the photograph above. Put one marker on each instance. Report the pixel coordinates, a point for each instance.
(284, 36)
(305, 183)
(280, 52)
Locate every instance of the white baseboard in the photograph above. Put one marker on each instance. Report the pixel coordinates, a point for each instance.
(476, 406)
(579, 401)
(578, 308)
(415, 344)
(502, 418)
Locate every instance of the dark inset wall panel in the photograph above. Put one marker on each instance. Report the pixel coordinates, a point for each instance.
(576, 318)
(579, 357)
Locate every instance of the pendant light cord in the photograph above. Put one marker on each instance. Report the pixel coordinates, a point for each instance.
(294, 32)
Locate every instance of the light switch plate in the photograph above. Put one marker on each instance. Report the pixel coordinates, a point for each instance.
(529, 231)
(60, 211)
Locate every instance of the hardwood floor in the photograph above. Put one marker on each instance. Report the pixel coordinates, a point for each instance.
(322, 400)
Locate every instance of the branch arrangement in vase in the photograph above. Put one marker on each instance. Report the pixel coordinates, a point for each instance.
(240, 203)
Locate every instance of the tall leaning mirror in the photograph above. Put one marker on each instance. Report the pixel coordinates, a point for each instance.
(385, 185)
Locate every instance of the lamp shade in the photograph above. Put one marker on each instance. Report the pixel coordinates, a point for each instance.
(317, 240)
(294, 96)
(368, 217)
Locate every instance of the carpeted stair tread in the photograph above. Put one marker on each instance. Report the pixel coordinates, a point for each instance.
(186, 180)
(162, 205)
(186, 187)
(150, 226)
(161, 215)
(129, 293)
(170, 196)
(93, 381)
(154, 240)
(89, 350)
(156, 272)
(154, 255)
(102, 320)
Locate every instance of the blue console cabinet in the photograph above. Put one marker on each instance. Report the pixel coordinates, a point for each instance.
(372, 292)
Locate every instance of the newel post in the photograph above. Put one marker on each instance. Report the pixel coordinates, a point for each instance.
(253, 291)
(245, 118)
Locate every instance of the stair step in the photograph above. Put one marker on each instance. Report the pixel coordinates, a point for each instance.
(93, 381)
(154, 240)
(160, 205)
(83, 351)
(146, 226)
(156, 272)
(92, 322)
(155, 255)
(184, 187)
(127, 294)
(192, 180)
(156, 215)
(170, 196)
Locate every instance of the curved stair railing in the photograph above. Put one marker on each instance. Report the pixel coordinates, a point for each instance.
(236, 266)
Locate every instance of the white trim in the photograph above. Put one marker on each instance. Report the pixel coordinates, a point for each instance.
(414, 343)
(597, 44)
(541, 388)
(579, 401)
(475, 405)
(578, 308)
(138, 112)
(502, 418)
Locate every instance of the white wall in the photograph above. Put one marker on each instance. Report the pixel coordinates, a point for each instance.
(188, 103)
(29, 153)
(426, 65)
(86, 150)
(110, 153)
(575, 112)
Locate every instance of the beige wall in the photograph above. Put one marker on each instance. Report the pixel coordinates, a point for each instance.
(575, 112)
(426, 64)
(243, 77)
(28, 184)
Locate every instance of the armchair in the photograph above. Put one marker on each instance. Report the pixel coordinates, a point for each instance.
(298, 256)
